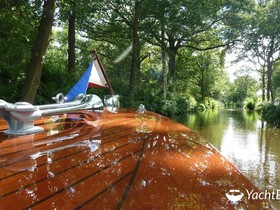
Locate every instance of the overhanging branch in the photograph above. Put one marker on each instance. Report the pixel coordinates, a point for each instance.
(212, 47)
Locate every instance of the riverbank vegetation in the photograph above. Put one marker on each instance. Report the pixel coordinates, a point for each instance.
(271, 113)
(171, 56)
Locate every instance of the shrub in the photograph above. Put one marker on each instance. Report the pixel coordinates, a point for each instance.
(201, 107)
(180, 105)
(271, 113)
(170, 108)
(259, 107)
(250, 104)
(209, 103)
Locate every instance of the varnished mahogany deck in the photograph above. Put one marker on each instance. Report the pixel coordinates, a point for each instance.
(99, 161)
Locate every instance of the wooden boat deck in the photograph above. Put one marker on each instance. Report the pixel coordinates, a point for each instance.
(101, 161)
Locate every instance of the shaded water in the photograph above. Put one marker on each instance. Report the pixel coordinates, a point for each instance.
(242, 138)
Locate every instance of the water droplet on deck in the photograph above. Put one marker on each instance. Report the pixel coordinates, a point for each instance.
(164, 171)
(51, 174)
(152, 164)
(143, 183)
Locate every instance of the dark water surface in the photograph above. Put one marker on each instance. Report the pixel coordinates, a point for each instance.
(246, 141)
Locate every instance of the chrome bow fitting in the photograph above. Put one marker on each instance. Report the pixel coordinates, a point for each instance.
(20, 116)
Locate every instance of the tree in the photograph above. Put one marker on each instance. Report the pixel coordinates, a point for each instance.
(68, 12)
(188, 24)
(261, 39)
(243, 87)
(204, 71)
(71, 36)
(276, 80)
(17, 20)
(117, 23)
(135, 61)
(38, 51)
(168, 33)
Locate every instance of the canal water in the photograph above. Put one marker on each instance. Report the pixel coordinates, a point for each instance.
(245, 140)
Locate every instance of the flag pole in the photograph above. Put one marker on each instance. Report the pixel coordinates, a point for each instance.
(95, 55)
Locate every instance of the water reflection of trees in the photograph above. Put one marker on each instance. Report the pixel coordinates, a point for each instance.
(269, 146)
(242, 119)
(245, 140)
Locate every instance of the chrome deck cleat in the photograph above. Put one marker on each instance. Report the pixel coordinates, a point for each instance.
(20, 116)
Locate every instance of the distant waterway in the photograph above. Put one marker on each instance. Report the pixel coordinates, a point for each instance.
(245, 140)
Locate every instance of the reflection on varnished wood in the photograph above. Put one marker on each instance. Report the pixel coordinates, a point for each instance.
(102, 162)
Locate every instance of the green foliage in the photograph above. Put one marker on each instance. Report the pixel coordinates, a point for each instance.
(201, 107)
(16, 39)
(242, 88)
(276, 79)
(211, 103)
(259, 107)
(208, 104)
(180, 105)
(271, 113)
(199, 81)
(174, 104)
(250, 104)
(261, 35)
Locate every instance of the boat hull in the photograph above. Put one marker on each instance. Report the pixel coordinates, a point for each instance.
(119, 160)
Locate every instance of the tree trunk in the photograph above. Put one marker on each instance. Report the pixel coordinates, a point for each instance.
(174, 45)
(270, 95)
(135, 61)
(163, 62)
(71, 38)
(263, 85)
(202, 91)
(269, 82)
(164, 73)
(171, 62)
(38, 51)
